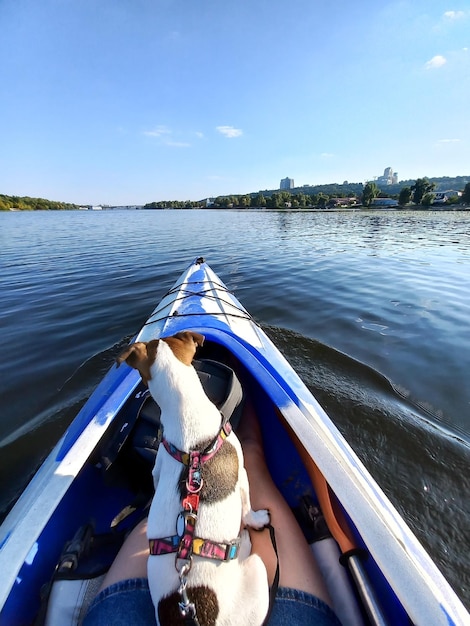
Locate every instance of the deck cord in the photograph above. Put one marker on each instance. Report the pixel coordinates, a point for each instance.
(203, 293)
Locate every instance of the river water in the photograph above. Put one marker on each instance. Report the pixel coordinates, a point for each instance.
(371, 308)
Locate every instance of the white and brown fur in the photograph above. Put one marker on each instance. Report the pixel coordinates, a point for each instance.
(224, 593)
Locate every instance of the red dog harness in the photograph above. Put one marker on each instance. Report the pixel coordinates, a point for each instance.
(184, 543)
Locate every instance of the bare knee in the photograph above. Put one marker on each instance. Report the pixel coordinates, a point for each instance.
(131, 560)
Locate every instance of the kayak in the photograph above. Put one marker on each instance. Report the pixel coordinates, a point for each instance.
(95, 485)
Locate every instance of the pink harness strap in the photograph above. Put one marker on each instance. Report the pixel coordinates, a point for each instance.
(185, 544)
(199, 547)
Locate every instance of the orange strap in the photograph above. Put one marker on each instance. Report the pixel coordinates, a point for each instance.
(329, 505)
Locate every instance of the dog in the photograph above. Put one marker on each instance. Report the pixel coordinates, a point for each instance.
(235, 591)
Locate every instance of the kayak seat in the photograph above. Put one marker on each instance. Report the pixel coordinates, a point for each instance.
(138, 430)
(221, 386)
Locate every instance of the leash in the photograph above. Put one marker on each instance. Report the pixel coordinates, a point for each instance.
(186, 607)
(275, 586)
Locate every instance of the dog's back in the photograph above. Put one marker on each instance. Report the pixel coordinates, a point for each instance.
(224, 593)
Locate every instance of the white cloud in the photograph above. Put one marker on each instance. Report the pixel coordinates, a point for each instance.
(327, 155)
(444, 141)
(454, 15)
(165, 136)
(436, 62)
(177, 144)
(229, 131)
(158, 131)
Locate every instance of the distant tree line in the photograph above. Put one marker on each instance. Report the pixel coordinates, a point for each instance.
(419, 192)
(278, 199)
(8, 203)
(176, 204)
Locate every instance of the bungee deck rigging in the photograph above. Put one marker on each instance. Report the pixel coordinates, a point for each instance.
(207, 294)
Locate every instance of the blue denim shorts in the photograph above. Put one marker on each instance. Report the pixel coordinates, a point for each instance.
(128, 603)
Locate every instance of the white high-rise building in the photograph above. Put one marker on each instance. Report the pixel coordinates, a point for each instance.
(389, 177)
(287, 183)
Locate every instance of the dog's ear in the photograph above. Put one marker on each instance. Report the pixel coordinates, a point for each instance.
(189, 335)
(184, 345)
(140, 355)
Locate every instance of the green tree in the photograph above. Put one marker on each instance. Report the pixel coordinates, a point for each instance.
(370, 192)
(285, 197)
(465, 199)
(421, 187)
(274, 201)
(258, 201)
(427, 199)
(222, 201)
(405, 196)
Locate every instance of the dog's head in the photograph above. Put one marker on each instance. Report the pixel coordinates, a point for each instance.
(141, 354)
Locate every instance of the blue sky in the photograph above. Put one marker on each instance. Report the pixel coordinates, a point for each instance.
(131, 101)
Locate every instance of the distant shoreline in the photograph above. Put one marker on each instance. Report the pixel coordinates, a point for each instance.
(443, 194)
(355, 209)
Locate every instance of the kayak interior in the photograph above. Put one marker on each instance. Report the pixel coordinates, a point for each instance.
(114, 487)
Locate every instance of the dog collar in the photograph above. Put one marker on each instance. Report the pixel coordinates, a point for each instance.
(205, 455)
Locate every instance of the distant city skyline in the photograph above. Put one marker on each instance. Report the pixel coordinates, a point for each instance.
(389, 177)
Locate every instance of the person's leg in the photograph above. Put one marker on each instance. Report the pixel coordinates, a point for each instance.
(131, 560)
(124, 597)
(297, 567)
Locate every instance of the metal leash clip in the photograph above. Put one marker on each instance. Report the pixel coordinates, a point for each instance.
(186, 607)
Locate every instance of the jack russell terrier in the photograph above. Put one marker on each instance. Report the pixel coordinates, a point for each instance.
(200, 568)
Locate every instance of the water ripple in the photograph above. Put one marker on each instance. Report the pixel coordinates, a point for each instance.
(389, 291)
